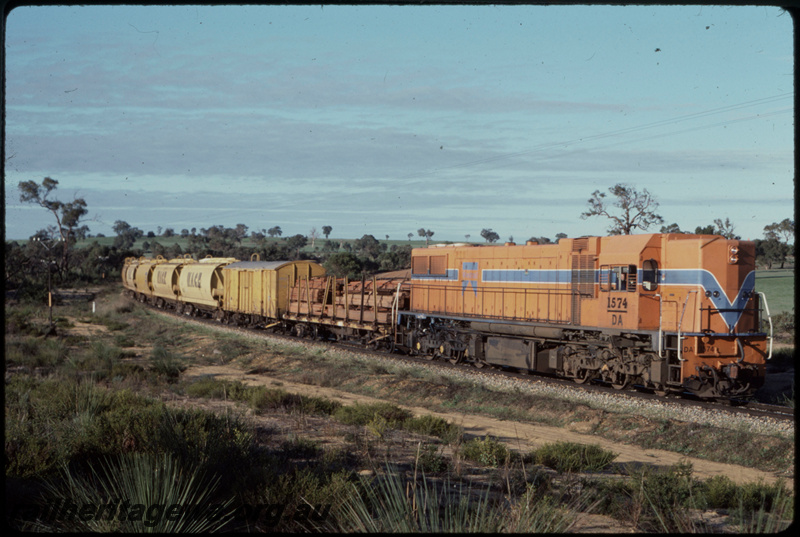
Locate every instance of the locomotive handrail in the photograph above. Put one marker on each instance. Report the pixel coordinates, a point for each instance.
(680, 324)
(660, 329)
(769, 318)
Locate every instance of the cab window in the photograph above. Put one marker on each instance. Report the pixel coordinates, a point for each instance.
(618, 278)
(650, 275)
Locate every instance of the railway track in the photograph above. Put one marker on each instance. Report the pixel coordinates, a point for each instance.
(751, 409)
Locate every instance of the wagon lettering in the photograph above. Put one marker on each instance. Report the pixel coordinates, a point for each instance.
(193, 279)
(161, 278)
(616, 320)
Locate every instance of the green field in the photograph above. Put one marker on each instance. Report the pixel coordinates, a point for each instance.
(778, 286)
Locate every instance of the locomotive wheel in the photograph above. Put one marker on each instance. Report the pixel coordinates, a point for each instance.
(618, 384)
(583, 376)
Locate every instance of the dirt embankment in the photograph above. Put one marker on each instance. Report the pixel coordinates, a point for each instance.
(519, 436)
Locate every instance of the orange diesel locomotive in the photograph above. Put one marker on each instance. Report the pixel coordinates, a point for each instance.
(670, 312)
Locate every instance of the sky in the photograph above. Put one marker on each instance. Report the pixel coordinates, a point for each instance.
(379, 119)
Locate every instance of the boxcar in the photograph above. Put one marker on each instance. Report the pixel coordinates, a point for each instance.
(258, 291)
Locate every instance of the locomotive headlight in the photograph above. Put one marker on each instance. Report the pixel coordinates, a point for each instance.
(733, 255)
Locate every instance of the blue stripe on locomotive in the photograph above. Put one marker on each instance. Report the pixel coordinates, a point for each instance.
(677, 277)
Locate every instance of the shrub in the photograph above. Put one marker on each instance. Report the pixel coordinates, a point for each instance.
(488, 452)
(434, 426)
(362, 414)
(166, 363)
(430, 460)
(571, 457)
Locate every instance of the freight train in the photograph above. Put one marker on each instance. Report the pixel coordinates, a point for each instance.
(665, 312)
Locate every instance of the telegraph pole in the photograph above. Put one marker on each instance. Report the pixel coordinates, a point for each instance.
(51, 330)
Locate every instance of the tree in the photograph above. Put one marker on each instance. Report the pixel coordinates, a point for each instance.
(126, 235)
(398, 258)
(409, 236)
(68, 215)
(275, 231)
(427, 233)
(313, 235)
(343, 264)
(296, 242)
(771, 251)
(326, 230)
(725, 228)
(369, 246)
(637, 209)
(541, 240)
(489, 235)
(783, 229)
(240, 232)
(706, 230)
(672, 228)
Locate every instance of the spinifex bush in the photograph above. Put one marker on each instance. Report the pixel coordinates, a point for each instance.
(571, 457)
(393, 502)
(149, 485)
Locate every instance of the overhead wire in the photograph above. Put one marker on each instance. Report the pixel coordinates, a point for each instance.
(627, 130)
